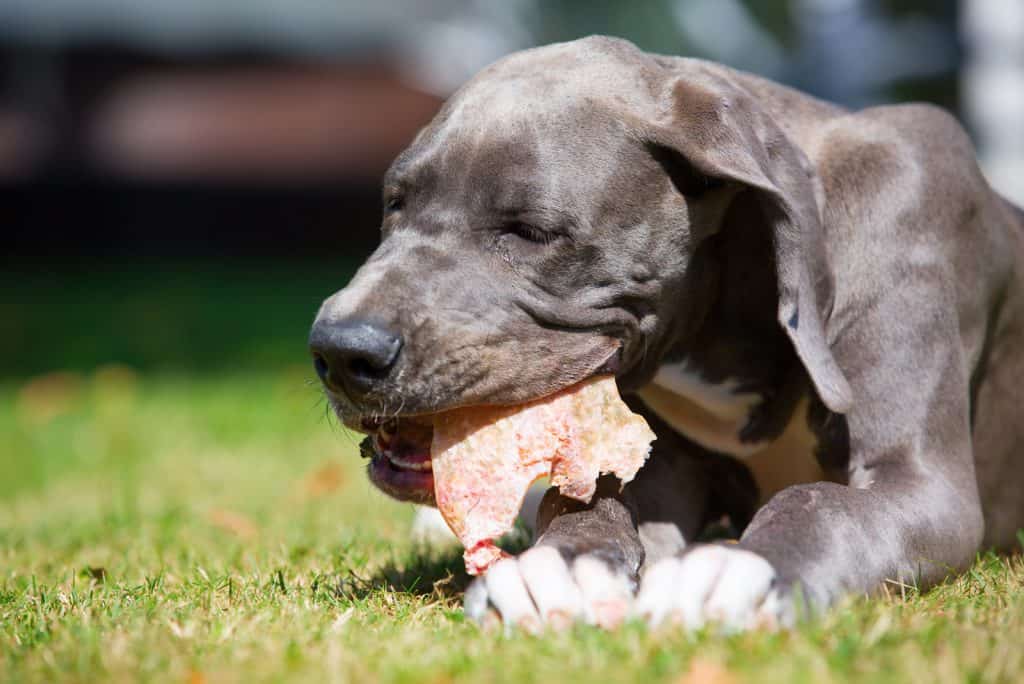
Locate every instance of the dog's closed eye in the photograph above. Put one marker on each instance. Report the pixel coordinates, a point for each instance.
(528, 233)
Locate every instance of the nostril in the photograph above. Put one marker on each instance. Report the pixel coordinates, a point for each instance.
(353, 356)
(320, 366)
(364, 369)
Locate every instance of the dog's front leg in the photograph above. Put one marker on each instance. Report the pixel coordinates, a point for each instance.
(585, 563)
(810, 545)
(909, 513)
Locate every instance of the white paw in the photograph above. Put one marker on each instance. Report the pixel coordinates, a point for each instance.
(428, 527)
(538, 589)
(731, 587)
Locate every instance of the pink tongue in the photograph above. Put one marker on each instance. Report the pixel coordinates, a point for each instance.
(485, 458)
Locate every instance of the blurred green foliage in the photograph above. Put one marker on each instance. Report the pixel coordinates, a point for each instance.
(219, 528)
(161, 316)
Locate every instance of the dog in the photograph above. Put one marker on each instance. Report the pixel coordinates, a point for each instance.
(820, 313)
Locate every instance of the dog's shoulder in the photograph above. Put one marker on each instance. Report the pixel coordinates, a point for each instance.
(905, 137)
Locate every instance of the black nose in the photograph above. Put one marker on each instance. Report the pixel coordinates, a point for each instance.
(353, 355)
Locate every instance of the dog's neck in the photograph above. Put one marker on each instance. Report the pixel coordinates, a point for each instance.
(734, 384)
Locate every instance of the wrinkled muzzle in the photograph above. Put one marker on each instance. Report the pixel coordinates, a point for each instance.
(424, 328)
(420, 330)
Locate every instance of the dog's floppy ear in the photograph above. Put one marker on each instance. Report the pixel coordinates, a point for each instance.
(718, 131)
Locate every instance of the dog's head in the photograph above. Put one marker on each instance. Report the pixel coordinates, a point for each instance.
(546, 226)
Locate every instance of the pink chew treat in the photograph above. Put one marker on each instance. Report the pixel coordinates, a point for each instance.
(485, 458)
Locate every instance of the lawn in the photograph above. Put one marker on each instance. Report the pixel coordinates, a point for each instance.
(195, 516)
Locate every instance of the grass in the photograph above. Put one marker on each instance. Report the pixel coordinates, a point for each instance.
(211, 524)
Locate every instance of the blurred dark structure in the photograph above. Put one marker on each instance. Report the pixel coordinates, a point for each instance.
(183, 181)
(219, 154)
(192, 128)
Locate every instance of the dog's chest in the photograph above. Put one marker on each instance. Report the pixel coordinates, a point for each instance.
(714, 416)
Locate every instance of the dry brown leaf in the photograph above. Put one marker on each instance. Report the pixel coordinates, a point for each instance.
(325, 480)
(706, 672)
(97, 573)
(233, 522)
(43, 398)
(115, 379)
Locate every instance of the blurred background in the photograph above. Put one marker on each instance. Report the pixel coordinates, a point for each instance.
(181, 182)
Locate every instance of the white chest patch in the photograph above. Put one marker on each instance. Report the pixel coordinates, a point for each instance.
(713, 415)
(710, 414)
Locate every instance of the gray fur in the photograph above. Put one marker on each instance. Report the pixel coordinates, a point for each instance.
(858, 259)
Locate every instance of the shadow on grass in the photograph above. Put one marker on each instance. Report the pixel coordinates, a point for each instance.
(440, 571)
(427, 571)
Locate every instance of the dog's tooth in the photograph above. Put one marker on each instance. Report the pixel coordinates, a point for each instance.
(422, 466)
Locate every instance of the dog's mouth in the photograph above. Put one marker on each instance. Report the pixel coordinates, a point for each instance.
(399, 453)
(398, 448)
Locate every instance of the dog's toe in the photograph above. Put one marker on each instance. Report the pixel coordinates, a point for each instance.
(606, 594)
(507, 591)
(658, 588)
(733, 588)
(555, 592)
(540, 589)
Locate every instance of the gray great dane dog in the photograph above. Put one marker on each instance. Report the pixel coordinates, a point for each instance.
(820, 312)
